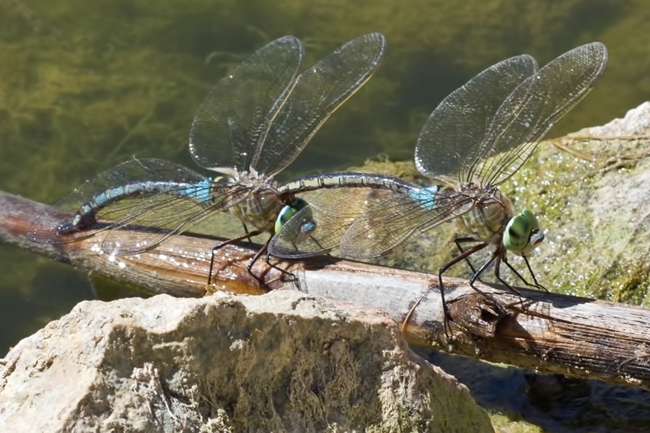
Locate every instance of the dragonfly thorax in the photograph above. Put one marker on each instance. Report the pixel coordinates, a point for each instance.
(259, 210)
(487, 220)
(259, 201)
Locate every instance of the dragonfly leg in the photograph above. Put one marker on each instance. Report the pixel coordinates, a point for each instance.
(292, 277)
(466, 240)
(496, 256)
(532, 274)
(442, 270)
(316, 242)
(530, 270)
(536, 284)
(497, 272)
(267, 260)
(247, 235)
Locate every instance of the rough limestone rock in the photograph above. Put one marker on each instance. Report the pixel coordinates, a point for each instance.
(279, 362)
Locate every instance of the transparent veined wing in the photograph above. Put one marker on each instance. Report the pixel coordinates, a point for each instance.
(449, 143)
(318, 92)
(161, 215)
(523, 116)
(319, 227)
(234, 118)
(129, 172)
(162, 196)
(393, 220)
(533, 107)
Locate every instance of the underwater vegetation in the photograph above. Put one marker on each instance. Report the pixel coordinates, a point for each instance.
(86, 86)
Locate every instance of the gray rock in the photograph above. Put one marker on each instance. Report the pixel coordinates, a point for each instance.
(279, 362)
(635, 122)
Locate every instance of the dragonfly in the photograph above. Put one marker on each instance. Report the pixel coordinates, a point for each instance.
(250, 126)
(474, 141)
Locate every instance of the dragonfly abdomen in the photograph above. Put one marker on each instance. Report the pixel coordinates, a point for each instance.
(346, 180)
(86, 216)
(425, 197)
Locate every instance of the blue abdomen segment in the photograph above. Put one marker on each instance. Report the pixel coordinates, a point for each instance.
(426, 197)
(198, 191)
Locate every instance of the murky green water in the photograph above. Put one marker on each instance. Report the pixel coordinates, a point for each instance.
(86, 85)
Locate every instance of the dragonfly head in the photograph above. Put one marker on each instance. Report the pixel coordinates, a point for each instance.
(307, 226)
(522, 234)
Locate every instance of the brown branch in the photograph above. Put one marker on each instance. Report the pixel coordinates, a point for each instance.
(545, 332)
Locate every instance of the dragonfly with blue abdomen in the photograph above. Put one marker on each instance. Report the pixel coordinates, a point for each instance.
(476, 139)
(250, 126)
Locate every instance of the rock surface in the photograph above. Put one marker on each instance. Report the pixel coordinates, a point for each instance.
(279, 362)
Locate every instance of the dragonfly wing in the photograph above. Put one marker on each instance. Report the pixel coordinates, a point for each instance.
(450, 138)
(318, 92)
(319, 227)
(235, 116)
(47, 229)
(534, 106)
(154, 219)
(392, 221)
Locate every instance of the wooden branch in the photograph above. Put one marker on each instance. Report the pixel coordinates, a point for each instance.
(544, 332)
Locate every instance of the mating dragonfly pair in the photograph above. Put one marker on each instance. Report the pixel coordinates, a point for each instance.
(257, 120)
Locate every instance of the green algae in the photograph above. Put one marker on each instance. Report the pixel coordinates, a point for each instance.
(506, 423)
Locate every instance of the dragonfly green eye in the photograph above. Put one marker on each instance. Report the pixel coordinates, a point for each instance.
(289, 211)
(522, 234)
